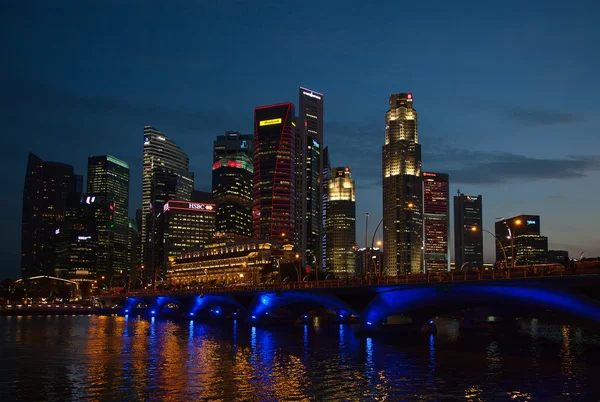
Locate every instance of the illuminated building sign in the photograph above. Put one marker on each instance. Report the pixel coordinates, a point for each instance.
(270, 122)
(429, 174)
(531, 222)
(234, 164)
(244, 144)
(216, 165)
(311, 94)
(469, 198)
(84, 237)
(90, 200)
(57, 231)
(188, 206)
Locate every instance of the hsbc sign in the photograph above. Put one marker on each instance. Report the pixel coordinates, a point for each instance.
(201, 207)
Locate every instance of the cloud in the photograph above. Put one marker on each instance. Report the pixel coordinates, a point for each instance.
(504, 167)
(535, 117)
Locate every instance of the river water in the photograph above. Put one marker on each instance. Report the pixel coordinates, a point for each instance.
(60, 358)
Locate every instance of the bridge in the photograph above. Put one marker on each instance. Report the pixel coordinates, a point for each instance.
(372, 300)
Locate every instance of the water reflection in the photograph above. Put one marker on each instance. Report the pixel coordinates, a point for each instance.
(118, 358)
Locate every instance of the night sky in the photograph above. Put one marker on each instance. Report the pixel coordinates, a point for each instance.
(507, 93)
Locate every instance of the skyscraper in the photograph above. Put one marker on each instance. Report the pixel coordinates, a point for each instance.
(326, 176)
(341, 223)
(273, 189)
(402, 189)
(521, 239)
(468, 243)
(47, 185)
(309, 170)
(436, 227)
(108, 181)
(232, 173)
(165, 176)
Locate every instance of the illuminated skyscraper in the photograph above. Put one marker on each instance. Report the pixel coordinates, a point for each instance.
(273, 189)
(468, 243)
(402, 189)
(47, 185)
(232, 172)
(521, 239)
(108, 181)
(436, 227)
(165, 176)
(341, 224)
(326, 176)
(309, 170)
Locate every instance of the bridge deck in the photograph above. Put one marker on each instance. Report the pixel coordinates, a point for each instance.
(517, 273)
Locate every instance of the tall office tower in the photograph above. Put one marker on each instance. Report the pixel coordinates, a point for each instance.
(468, 243)
(274, 180)
(436, 222)
(165, 176)
(309, 169)
(522, 242)
(82, 241)
(325, 181)
(375, 256)
(133, 253)
(341, 224)
(402, 189)
(108, 181)
(232, 173)
(186, 225)
(47, 185)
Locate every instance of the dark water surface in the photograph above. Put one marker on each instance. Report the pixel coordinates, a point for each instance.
(115, 358)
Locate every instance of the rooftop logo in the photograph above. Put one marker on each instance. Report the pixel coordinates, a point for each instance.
(311, 94)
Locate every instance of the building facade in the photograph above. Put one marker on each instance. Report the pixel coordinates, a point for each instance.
(375, 266)
(341, 223)
(521, 240)
(274, 179)
(309, 170)
(186, 225)
(436, 222)
(468, 243)
(47, 185)
(244, 262)
(402, 189)
(165, 176)
(108, 181)
(232, 174)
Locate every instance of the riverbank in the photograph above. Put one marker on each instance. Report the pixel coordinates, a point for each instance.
(52, 309)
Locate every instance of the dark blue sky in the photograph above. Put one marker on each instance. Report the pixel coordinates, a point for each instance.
(507, 93)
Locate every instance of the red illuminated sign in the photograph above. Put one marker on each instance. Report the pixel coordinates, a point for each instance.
(409, 96)
(216, 165)
(429, 174)
(234, 164)
(189, 206)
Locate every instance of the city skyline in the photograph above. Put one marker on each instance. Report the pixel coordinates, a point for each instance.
(513, 145)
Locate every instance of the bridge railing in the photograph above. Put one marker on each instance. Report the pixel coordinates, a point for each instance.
(520, 272)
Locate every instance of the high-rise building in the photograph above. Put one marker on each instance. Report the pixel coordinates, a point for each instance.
(402, 189)
(108, 181)
(341, 223)
(274, 180)
(186, 225)
(325, 180)
(468, 243)
(47, 185)
(309, 170)
(165, 176)
(232, 173)
(436, 218)
(133, 252)
(521, 239)
(375, 256)
(84, 238)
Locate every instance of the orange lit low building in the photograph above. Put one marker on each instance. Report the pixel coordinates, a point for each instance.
(248, 261)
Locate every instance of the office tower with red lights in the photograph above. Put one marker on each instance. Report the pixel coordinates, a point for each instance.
(436, 228)
(274, 178)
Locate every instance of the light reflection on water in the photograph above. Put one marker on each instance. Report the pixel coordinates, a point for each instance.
(128, 358)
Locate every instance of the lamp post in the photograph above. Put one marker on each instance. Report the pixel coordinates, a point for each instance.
(512, 240)
(475, 229)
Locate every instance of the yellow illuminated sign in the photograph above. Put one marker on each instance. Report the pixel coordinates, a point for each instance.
(270, 122)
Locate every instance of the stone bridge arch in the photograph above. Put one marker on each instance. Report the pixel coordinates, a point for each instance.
(434, 301)
(267, 302)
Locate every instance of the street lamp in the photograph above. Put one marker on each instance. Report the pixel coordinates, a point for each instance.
(475, 229)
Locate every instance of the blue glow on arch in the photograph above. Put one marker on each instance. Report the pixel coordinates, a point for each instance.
(270, 301)
(402, 300)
